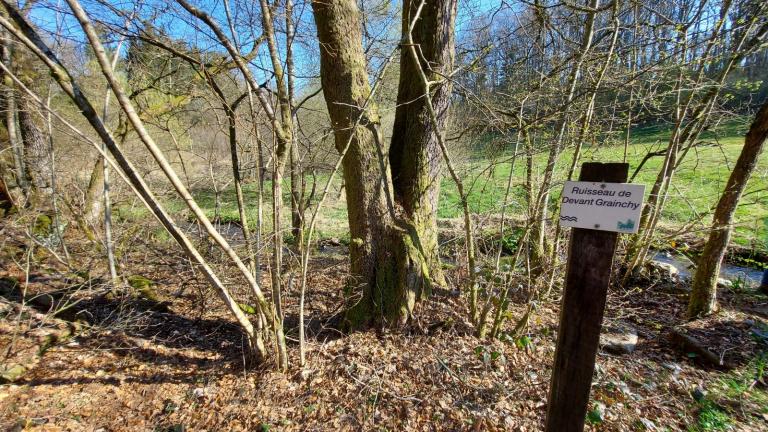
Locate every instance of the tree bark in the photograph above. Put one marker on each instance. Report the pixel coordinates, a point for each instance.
(388, 271)
(93, 205)
(9, 119)
(703, 299)
(37, 157)
(414, 153)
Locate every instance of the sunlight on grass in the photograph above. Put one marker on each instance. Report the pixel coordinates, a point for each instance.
(695, 189)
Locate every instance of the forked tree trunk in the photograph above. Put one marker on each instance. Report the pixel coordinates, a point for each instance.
(388, 272)
(414, 154)
(704, 289)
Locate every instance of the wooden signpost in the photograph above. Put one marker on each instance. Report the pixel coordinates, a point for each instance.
(590, 259)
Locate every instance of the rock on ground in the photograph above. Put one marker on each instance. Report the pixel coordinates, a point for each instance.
(619, 338)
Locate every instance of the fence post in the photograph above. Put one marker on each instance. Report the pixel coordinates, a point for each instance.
(588, 273)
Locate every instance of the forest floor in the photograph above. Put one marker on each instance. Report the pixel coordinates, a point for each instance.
(173, 360)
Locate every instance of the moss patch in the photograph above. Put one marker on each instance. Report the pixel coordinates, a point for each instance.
(43, 226)
(144, 287)
(250, 310)
(12, 373)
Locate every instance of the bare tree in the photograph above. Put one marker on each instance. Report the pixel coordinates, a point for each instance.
(32, 41)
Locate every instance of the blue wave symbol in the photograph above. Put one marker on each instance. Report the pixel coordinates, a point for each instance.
(569, 218)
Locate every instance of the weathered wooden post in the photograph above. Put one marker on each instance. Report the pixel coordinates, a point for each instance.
(598, 210)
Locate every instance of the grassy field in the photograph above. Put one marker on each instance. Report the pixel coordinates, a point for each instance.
(695, 190)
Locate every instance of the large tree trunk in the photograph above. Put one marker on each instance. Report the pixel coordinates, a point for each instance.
(37, 157)
(388, 272)
(414, 154)
(704, 290)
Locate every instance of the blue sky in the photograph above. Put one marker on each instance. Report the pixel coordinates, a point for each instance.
(50, 15)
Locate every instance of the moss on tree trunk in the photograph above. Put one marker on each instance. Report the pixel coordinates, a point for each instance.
(414, 154)
(387, 269)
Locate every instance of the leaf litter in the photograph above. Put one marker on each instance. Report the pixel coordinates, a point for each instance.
(181, 368)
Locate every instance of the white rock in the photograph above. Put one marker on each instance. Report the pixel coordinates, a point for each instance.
(621, 338)
(664, 270)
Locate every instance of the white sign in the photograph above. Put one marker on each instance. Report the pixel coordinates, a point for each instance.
(602, 206)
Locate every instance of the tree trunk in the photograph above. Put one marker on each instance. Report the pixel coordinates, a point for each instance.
(9, 119)
(277, 233)
(231, 112)
(297, 176)
(388, 272)
(704, 288)
(37, 157)
(232, 131)
(297, 199)
(94, 204)
(283, 133)
(414, 153)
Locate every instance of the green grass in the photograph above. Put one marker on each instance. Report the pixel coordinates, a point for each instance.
(710, 418)
(695, 190)
(734, 389)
